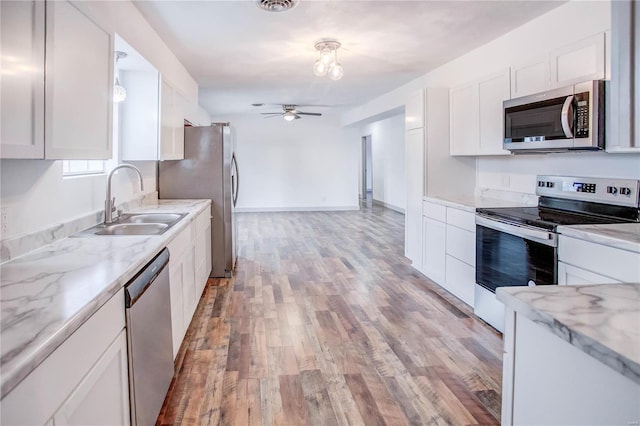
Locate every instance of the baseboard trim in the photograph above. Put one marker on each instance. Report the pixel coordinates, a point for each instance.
(295, 209)
(389, 206)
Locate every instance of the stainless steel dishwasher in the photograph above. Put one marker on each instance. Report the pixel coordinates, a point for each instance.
(148, 313)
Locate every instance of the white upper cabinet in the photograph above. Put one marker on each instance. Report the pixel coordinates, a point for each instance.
(139, 120)
(623, 127)
(574, 63)
(477, 116)
(22, 84)
(78, 86)
(464, 120)
(172, 106)
(414, 111)
(530, 77)
(492, 92)
(578, 62)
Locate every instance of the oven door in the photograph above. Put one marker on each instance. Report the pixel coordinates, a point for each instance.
(514, 255)
(510, 255)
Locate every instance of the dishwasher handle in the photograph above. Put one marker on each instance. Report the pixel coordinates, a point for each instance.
(139, 284)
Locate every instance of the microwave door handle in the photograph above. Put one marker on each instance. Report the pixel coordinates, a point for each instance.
(564, 117)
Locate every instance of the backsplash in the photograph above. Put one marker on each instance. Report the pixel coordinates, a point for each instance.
(20, 245)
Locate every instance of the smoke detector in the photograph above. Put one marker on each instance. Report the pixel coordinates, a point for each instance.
(276, 5)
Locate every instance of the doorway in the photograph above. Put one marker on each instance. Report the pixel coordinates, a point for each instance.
(367, 169)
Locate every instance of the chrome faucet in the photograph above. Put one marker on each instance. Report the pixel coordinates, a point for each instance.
(110, 203)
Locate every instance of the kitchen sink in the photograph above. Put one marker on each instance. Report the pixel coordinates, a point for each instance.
(166, 218)
(135, 224)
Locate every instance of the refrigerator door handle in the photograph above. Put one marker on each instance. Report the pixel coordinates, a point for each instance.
(235, 179)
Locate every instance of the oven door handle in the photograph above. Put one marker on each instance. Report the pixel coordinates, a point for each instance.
(542, 237)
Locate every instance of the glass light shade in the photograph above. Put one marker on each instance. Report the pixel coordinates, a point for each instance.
(320, 68)
(119, 93)
(289, 116)
(336, 71)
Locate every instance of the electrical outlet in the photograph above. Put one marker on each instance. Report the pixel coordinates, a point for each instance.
(4, 219)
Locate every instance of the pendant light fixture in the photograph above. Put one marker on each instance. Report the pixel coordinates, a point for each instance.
(327, 62)
(119, 92)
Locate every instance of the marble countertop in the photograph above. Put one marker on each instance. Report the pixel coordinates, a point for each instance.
(45, 295)
(625, 236)
(601, 320)
(471, 203)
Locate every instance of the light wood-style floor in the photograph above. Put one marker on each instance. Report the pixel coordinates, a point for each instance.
(326, 323)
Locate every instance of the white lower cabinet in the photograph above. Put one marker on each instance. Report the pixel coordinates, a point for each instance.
(102, 397)
(582, 262)
(449, 249)
(560, 384)
(83, 382)
(189, 255)
(434, 253)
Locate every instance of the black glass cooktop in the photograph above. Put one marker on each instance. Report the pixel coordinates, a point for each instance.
(541, 217)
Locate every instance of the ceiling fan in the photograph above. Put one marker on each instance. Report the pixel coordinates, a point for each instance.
(290, 112)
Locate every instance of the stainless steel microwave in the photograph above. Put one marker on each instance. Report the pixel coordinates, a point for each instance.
(567, 118)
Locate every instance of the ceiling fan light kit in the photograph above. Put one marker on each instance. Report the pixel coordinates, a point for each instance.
(327, 62)
(289, 112)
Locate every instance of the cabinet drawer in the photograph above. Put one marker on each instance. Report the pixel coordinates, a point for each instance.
(461, 244)
(434, 211)
(461, 279)
(461, 219)
(180, 243)
(616, 263)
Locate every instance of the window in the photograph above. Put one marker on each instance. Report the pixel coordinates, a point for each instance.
(82, 167)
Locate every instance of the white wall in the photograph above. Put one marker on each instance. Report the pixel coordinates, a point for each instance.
(306, 164)
(564, 25)
(388, 149)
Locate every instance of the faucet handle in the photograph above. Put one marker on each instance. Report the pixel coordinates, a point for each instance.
(113, 204)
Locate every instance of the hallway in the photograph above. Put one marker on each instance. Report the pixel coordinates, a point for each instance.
(325, 322)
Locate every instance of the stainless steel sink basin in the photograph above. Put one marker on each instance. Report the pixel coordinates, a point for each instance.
(167, 218)
(135, 224)
(134, 229)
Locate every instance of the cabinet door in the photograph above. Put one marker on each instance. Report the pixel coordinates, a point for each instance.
(460, 279)
(492, 92)
(414, 111)
(102, 398)
(434, 249)
(79, 85)
(22, 82)
(189, 293)
(414, 164)
(140, 121)
(172, 123)
(530, 77)
(177, 309)
(578, 62)
(570, 275)
(464, 120)
(623, 129)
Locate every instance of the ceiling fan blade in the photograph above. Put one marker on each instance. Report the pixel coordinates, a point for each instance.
(271, 116)
(297, 117)
(309, 113)
(271, 113)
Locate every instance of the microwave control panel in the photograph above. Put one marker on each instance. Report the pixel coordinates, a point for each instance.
(582, 115)
(622, 192)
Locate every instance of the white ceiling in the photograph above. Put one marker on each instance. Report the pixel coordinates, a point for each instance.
(240, 54)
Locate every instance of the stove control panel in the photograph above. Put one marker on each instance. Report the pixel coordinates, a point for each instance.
(623, 192)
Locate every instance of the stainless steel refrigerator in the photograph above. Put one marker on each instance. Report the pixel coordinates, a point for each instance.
(209, 170)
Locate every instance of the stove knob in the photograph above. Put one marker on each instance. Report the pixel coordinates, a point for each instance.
(549, 184)
(612, 190)
(541, 183)
(625, 191)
